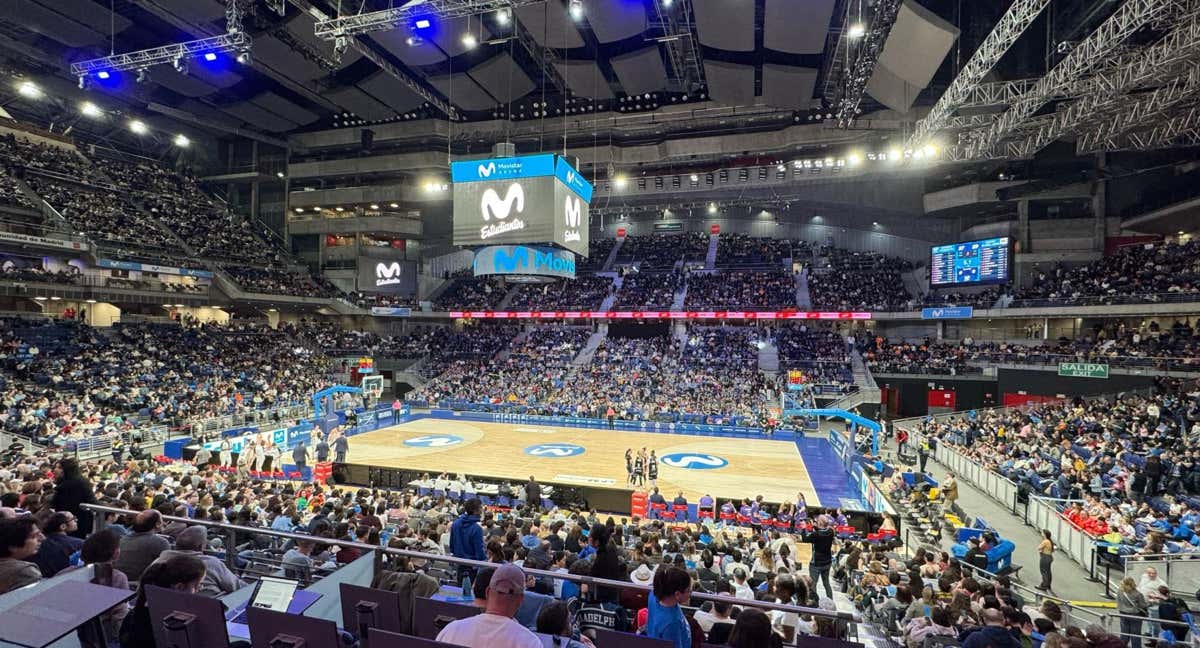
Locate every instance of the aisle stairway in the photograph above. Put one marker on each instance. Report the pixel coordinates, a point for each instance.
(803, 298)
(607, 304)
(612, 255)
(768, 357)
(710, 258)
(585, 354)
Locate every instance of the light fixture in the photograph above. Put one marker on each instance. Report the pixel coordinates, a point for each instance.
(211, 56)
(894, 155)
(89, 109)
(143, 75)
(667, 3)
(576, 9)
(854, 159)
(299, 210)
(712, 208)
(279, 174)
(182, 141)
(243, 57)
(413, 41)
(178, 305)
(39, 299)
(502, 17)
(180, 65)
(874, 223)
(29, 90)
(138, 127)
(338, 209)
(857, 30)
(91, 301)
(469, 41)
(103, 75)
(695, 178)
(930, 150)
(781, 167)
(422, 23)
(394, 205)
(373, 206)
(620, 181)
(56, 299)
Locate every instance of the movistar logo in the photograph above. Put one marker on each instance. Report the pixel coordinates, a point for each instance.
(486, 170)
(492, 205)
(570, 177)
(506, 261)
(387, 274)
(573, 211)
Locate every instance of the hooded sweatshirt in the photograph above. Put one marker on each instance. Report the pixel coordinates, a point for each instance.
(466, 538)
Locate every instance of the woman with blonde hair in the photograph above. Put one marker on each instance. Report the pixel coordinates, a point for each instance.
(1131, 602)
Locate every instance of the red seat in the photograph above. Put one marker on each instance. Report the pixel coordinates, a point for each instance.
(657, 510)
(666, 515)
(705, 513)
(728, 517)
(743, 520)
(680, 510)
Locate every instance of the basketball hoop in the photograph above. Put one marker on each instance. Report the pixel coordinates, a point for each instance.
(372, 387)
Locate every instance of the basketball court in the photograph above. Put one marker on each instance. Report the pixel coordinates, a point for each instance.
(722, 467)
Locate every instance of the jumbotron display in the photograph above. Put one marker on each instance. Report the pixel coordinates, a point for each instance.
(971, 262)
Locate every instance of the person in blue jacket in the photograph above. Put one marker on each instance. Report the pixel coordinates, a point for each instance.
(466, 537)
(665, 619)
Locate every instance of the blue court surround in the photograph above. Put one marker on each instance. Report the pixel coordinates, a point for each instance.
(827, 473)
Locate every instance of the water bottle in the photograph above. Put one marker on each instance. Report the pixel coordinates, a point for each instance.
(468, 590)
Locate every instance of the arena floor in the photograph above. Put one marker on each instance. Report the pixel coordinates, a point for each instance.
(774, 469)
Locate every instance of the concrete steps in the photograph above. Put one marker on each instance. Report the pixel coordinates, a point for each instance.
(768, 357)
(710, 257)
(594, 341)
(803, 298)
(612, 256)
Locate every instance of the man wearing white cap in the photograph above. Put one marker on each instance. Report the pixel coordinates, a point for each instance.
(495, 627)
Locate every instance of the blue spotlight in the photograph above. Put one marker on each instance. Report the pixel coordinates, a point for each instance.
(210, 56)
(423, 23)
(103, 74)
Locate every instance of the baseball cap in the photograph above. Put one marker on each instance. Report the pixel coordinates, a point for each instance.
(508, 579)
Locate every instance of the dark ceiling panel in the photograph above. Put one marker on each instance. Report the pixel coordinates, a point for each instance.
(463, 92)
(284, 108)
(195, 11)
(186, 85)
(615, 20)
(641, 71)
(390, 92)
(785, 86)
(449, 35)
(276, 55)
(503, 78)
(220, 77)
(41, 20)
(729, 83)
(726, 24)
(585, 79)
(89, 13)
(208, 113)
(797, 27)
(416, 55)
(360, 103)
(562, 31)
(259, 117)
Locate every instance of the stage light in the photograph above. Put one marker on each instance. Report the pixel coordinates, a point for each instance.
(89, 109)
(180, 66)
(469, 41)
(299, 210)
(667, 3)
(244, 58)
(854, 159)
(695, 178)
(894, 155)
(143, 75)
(39, 299)
(29, 90)
(576, 10)
(338, 209)
(422, 23)
(211, 56)
(83, 82)
(781, 168)
(930, 150)
(857, 30)
(712, 208)
(279, 174)
(394, 205)
(182, 141)
(503, 17)
(374, 206)
(91, 301)
(413, 41)
(620, 181)
(138, 127)
(103, 75)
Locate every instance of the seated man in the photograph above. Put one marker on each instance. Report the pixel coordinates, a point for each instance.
(495, 627)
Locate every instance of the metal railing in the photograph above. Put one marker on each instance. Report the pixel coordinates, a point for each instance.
(1181, 571)
(231, 532)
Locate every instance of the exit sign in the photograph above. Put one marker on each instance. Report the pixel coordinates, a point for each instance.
(1083, 370)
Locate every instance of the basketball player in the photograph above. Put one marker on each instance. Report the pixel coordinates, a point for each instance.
(629, 465)
(226, 453)
(639, 472)
(652, 469)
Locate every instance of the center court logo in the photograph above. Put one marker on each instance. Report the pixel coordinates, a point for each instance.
(492, 206)
(693, 461)
(433, 441)
(387, 274)
(555, 450)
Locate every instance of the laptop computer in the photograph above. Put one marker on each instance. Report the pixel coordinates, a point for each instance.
(269, 594)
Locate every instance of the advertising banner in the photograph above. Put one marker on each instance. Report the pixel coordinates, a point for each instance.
(398, 277)
(948, 312)
(149, 267)
(522, 259)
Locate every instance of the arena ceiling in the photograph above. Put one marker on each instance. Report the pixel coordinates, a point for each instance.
(617, 57)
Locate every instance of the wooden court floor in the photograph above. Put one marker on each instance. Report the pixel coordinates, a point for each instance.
(773, 469)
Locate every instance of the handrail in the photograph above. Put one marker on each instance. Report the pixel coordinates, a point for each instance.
(99, 525)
